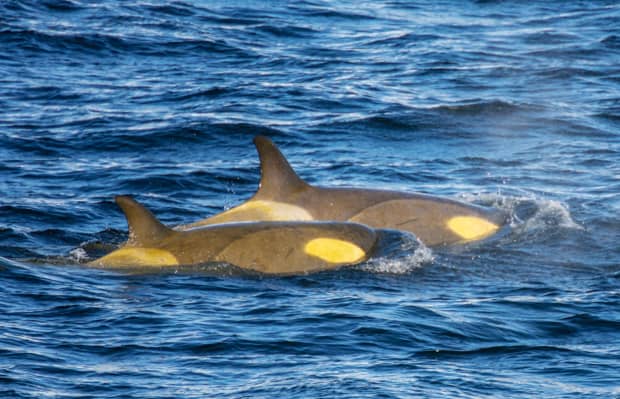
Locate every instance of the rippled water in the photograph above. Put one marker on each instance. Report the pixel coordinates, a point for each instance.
(505, 104)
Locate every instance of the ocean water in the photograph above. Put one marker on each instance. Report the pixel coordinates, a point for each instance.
(512, 105)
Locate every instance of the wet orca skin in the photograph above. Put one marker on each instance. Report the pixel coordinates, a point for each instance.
(269, 247)
(283, 195)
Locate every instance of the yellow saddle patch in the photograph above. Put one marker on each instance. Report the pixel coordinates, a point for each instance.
(334, 251)
(263, 210)
(138, 257)
(471, 227)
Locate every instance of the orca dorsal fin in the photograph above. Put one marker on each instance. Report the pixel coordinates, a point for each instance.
(277, 178)
(144, 228)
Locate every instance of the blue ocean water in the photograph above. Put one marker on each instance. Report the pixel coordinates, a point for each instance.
(508, 104)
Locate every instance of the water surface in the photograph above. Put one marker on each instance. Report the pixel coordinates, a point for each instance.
(515, 106)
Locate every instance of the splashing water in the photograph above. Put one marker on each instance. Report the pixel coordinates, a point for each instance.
(399, 253)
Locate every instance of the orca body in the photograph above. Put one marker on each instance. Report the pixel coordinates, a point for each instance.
(283, 195)
(269, 247)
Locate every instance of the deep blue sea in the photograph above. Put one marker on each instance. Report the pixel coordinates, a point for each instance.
(513, 105)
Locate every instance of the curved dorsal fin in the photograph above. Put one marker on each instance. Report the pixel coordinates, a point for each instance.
(277, 176)
(144, 228)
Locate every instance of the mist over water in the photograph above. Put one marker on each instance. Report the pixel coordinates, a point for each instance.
(512, 106)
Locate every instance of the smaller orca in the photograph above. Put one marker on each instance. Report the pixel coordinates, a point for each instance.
(283, 195)
(267, 247)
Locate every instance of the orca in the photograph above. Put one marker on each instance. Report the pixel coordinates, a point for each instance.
(288, 247)
(283, 195)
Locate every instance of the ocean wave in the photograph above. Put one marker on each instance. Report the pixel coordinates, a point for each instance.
(612, 41)
(287, 30)
(494, 351)
(41, 41)
(493, 107)
(89, 43)
(413, 119)
(15, 272)
(398, 39)
(28, 6)
(174, 8)
(564, 73)
(63, 5)
(321, 11)
(549, 37)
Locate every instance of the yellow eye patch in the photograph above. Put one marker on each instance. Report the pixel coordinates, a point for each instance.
(471, 227)
(334, 251)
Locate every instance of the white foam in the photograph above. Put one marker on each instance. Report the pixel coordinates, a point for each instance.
(79, 255)
(551, 214)
(416, 255)
(541, 214)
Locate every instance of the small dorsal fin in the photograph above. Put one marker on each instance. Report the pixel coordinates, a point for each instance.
(144, 228)
(277, 176)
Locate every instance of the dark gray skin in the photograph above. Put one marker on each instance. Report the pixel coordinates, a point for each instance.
(268, 247)
(282, 195)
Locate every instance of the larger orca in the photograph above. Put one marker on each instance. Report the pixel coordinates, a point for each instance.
(283, 195)
(267, 247)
